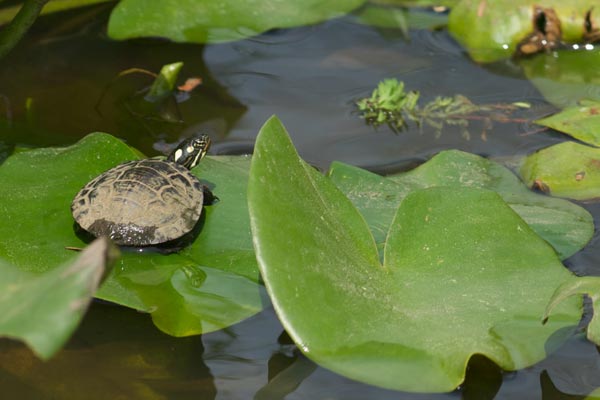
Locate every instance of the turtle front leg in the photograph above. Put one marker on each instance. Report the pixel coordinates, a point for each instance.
(209, 197)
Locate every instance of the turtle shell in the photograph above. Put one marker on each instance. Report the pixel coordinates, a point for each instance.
(140, 203)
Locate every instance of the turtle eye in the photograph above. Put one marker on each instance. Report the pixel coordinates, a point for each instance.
(190, 152)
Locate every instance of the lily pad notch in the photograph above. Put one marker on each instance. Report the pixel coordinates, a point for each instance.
(450, 286)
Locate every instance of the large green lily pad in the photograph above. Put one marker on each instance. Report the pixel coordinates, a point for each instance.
(44, 310)
(566, 169)
(491, 30)
(211, 284)
(208, 21)
(463, 274)
(566, 226)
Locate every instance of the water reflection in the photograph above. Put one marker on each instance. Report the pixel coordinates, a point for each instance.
(115, 354)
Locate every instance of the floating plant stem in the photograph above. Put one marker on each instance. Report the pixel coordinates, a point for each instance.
(390, 104)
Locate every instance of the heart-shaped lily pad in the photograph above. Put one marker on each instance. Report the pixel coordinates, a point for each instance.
(566, 226)
(463, 274)
(210, 285)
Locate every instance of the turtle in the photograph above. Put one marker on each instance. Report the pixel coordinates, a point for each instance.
(145, 202)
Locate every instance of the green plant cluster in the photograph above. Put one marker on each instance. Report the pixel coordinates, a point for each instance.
(390, 104)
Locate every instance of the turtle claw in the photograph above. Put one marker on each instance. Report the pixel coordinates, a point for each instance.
(209, 197)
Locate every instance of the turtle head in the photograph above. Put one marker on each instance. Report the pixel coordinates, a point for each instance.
(190, 151)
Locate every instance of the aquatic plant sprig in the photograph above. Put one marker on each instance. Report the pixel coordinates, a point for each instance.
(390, 104)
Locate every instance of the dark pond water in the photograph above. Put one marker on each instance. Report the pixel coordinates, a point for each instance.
(60, 85)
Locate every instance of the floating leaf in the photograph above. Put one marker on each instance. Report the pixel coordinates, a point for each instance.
(566, 169)
(44, 310)
(207, 21)
(581, 121)
(209, 285)
(566, 226)
(462, 275)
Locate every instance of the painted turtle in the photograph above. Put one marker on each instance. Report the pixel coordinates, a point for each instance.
(145, 202)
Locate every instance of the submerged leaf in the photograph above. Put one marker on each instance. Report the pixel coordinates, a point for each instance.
(565, 78)
(39, 186)
(44, 310)
(463, 275)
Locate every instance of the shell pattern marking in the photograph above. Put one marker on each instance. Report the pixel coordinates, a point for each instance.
(140, 203)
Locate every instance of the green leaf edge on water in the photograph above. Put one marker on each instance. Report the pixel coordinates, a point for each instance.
(308, 196)
(582, 121)
(214, 22)
(44, 310)
(588, 285)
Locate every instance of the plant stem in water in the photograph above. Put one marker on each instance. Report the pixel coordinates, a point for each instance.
(20, 24)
